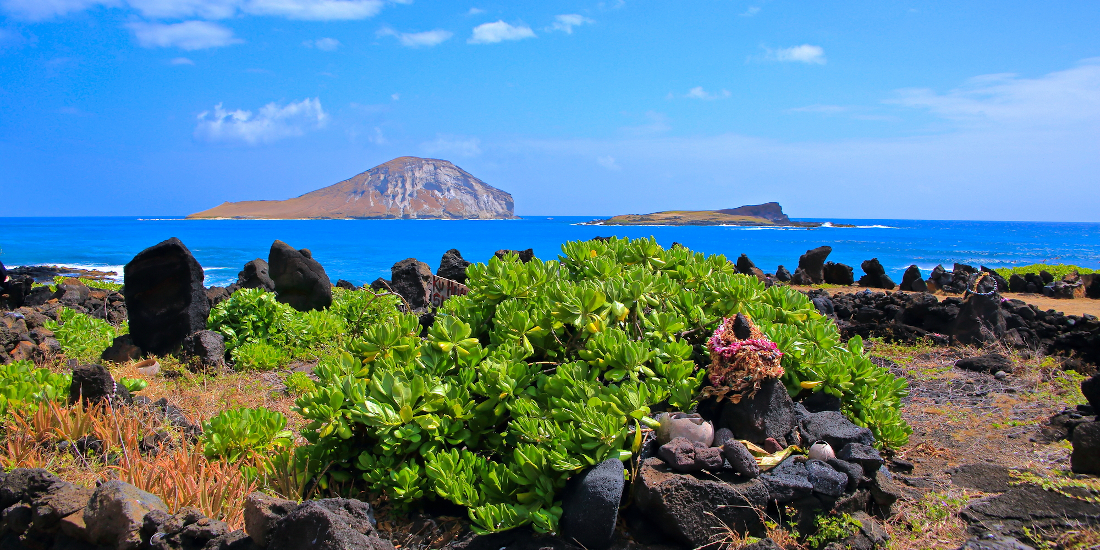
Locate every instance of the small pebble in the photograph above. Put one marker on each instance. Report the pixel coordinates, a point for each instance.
(1001, 375)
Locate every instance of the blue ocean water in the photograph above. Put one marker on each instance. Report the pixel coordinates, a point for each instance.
(363, 250)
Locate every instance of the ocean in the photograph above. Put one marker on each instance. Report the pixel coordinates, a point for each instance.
(363, 250)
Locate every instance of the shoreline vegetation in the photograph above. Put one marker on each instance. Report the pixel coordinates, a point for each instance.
(468, 420)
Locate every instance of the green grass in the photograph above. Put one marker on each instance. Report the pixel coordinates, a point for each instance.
(91, 283)
(1058, 270)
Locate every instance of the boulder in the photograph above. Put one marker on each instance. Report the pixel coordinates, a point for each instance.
(824, 305)
(768, 413)
(256, 274)
(812, 264)
(452, 266)
(801, 278)
(207, 346)
(25, 485)
(1090, 388)
(59, 500)
(115, 513)
(980, 320)
(121, 350)
(785, 487)
(260, 514)
(1029, 509)
(744, 265)
(327, 524)
(835, 429)
(590, 505)
(411, 279)
(165, 297)
(187, 529)
(1086, 449)
(782, 275)
(919, 286)
(94, 384)
(740, 459)
(851, 469)
(688, 456)
(865, 455)
(72, 292)
(825, 479)
(299, 279)
(993, 542)
(989, 363)
(1016, 283)
(524, 255)
(876, 276)
(346, 285)
(216, 295)
(838, 274)
(912, 274)
(697, 511)
(381, 285)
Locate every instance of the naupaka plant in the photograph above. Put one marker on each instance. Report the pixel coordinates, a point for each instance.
(548, 367)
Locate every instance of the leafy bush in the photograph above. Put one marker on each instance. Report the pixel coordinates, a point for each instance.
(91, 283)
(1058, 270)
(249, 315)
(831, 528)
(546, 368)
(360, 309)
(298, 383)
(23, 387)
(82, 337)
(240, 433)
(258, 356)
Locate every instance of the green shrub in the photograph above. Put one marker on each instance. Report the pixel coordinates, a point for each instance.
(1058, 270)
(23, 387)
(249, 315)
(258, 356)
(239, 433)
(298, 383)
(82, 337)
(832, 528)
(546, 368)
(133, 385)
(360, 309)
(91, 283)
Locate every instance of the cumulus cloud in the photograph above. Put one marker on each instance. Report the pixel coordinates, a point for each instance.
(475, 11)
(699, 93)
(805, 53)
(499, 31)
(565, 23)
(272, 123)
(181, 61)
(188, 35)
(751, 11)
(608, 162)
(452, 146)
(424, 39)
(312, 10)
(325, 44)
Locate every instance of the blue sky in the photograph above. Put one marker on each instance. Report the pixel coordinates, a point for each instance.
(925, 110)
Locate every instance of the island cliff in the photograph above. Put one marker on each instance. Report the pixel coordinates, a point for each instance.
(403, 188)
(767, 214)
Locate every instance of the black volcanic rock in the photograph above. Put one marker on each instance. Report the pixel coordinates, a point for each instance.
(165, 297)
(812, 263)
(299, 279)
(452, 266)
(256, 274)
(838, 274)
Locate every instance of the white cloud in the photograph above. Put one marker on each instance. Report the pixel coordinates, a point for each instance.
(188, 35)
(818, 108)
(312, 10)
(498, 31)
(181, 61)
(452, 146)
(608, 162)
(324, 44)
(271, 123)
(805, 53)
(565, 23)
(36, 10)
(475, 11)
(699, 93)
(424, 39)
(751, 11)
(395, 97)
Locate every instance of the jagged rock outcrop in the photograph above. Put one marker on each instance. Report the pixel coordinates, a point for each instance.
(405, 187)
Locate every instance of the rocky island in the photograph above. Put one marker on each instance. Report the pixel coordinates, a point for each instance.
(403, 188)
(767, 214)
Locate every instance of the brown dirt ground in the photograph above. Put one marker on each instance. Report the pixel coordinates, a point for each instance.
(1076, 306)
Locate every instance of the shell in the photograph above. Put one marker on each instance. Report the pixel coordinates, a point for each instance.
(689, 426)
(822, 451)
(148, 367)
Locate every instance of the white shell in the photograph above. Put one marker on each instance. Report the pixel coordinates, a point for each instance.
(148, 367)
(821, 451)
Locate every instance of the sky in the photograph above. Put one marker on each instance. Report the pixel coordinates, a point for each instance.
(870, 110)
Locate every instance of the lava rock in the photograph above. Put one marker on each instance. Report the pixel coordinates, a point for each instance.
(696, 511)
(25, 485)
(784, 488)
(853, 470)
(994, 542)
(821, 401)
(990, 363)
(686, 456)
(261, 512)
(1029, 508)
(1086, 449)
(216, 295)
(207, 346)
(721, 436)
(452, 266)
(875, 275)
(524, 255)
(912, 274)
(768, 413)
(835, 429)
(1091, 390)
(838, 274)
(987, 478)
(121, 350)
(825, 479)
(115, 514)
(93, 384)
(782, 275)
(328, 524)
(823, 305)
(980, 320)
(744, 265)
(411, 279)
(165, 297)
(299, 279)
(812, 264)
(346, 285)
(256, 274)
(590, 506)
(740, 459)
(864, 455)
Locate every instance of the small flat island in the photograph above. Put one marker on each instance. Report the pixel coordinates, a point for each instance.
(767, 214)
